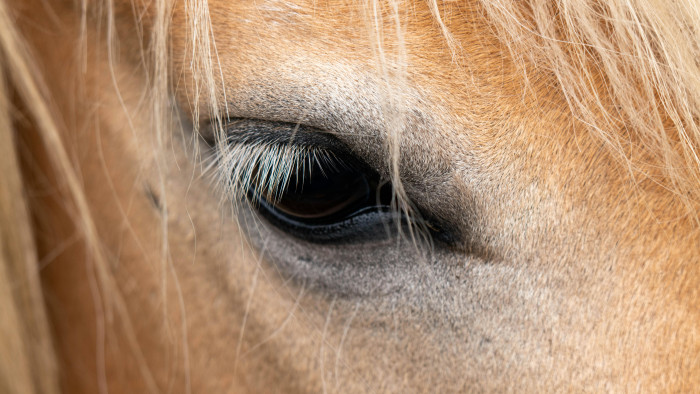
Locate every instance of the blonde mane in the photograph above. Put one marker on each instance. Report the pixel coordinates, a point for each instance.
(27, 360)
(630, 70)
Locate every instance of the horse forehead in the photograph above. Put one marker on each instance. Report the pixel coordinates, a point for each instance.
(339, 29)
(341, 47)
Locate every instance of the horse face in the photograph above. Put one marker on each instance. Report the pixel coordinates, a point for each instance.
(550, 264)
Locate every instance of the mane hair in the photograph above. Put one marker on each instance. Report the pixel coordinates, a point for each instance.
(630, 71)
(27, 360)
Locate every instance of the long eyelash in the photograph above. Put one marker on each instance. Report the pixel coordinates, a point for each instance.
(264, 167)
(248, 166)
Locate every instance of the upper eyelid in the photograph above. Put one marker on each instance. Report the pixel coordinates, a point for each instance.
(256, 131)
(262, 156)
(246, 130)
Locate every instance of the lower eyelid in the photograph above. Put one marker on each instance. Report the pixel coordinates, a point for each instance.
(371, 225)
(342, 268)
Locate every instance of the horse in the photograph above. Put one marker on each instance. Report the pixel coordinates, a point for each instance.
(349, 196)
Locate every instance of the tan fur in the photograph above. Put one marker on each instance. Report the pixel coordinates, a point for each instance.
(577, 203)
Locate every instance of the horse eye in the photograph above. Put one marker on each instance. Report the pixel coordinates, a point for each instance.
(305, 182)
(329, 200)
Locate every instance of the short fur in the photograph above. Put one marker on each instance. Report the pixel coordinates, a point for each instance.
(557, 140)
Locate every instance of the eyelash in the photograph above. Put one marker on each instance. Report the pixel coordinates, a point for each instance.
(264, 168)
(248, 163)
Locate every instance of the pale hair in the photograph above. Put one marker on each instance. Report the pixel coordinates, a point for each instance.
(648, 56)
(645, 51)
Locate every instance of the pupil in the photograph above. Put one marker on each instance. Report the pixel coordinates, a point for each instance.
(331, 192)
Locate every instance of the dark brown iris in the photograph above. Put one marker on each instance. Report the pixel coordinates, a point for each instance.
(330, 192)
